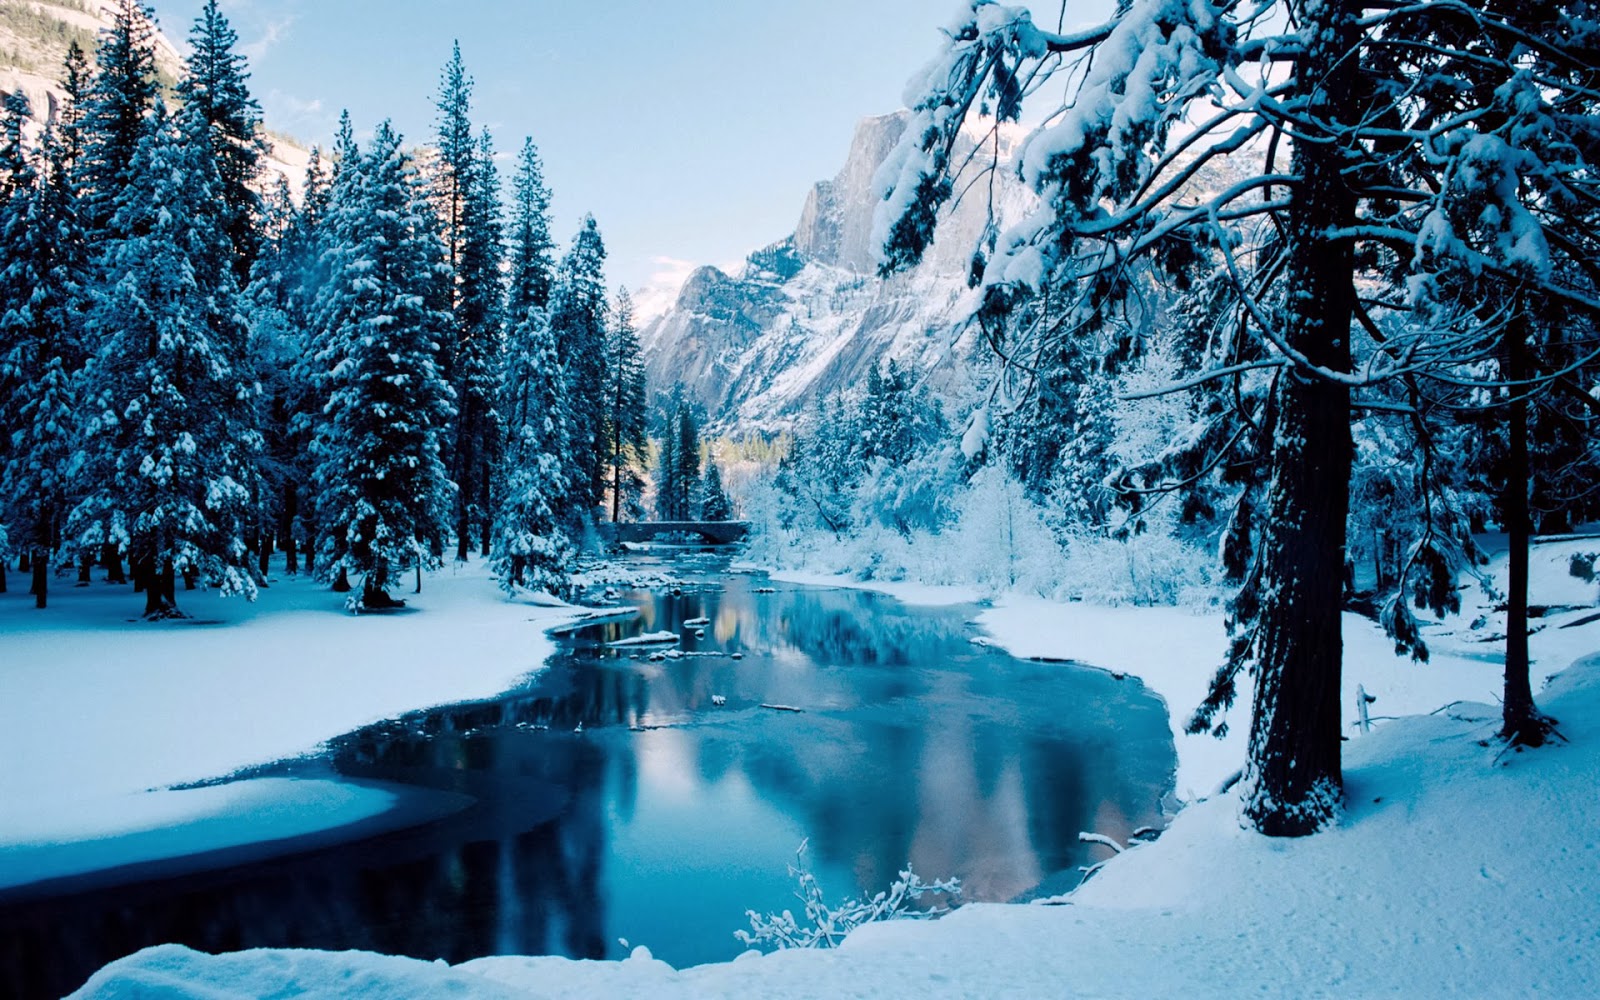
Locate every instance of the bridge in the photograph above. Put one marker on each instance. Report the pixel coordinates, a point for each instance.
(715, 532)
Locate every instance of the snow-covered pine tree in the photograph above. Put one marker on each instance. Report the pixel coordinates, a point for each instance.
(717, 506)
(626, 417)
(216, 83)
(467, 191)
(686, 454)
(531, 545)
(42, 274)
(120, 96)
(578, 317)
(1423, 141)
(532, 251)
(170, 439)
(383, 495)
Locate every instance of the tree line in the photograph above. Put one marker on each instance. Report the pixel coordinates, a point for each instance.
(198, 371)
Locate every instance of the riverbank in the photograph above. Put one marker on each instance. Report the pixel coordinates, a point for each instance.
(100, 717)
(1456, 870)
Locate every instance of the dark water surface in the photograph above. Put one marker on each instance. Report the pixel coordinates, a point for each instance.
(614, 799)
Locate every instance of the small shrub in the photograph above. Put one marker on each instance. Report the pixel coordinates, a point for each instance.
(826, 926)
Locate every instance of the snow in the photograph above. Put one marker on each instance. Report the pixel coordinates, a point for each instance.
(1456, 869)
(161, 825)
(97, 714)
(1452, 874)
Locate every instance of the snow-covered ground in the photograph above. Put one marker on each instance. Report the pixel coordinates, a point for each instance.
(1456, 871)
(98, 717)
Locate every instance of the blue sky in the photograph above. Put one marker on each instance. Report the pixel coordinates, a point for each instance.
(692, 129)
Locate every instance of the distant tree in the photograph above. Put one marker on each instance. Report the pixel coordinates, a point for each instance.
(687, 456)
(578, 314)
(717, 507)
(170, 441)
(216, 84)
(383, 492)
(626, 419)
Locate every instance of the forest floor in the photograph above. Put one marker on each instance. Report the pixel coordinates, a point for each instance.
(1456, 870)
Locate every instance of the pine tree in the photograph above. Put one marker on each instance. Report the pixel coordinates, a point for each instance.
(383, 492)
(42, 274)
(686, 453)
(717, 506)
(216, 84)
(578, 318)
(532, 548)
(532, 250)
(121, 96)
(467, 189)
(627, 425)
(169, 442)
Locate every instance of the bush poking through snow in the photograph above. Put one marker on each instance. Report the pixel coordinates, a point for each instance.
(826, 926)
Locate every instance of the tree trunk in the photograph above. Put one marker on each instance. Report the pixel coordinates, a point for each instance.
(341, 583)
(286, 539)
(84, 566)
(111, 559)
(1522, 725)
(1293, 781)
(41, 579)
(25, 562)
(160, 589)
(2, 576)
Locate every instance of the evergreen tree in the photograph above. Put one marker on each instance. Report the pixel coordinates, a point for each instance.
(169, 442)
(532, 250)
(686, 453)
(121, 96)
(532, 548)
(42, 273)
(626, 418)
(216, 85)
(383, 493)
(467, 189)
(578, 318)
(76, 80)
(717, 506)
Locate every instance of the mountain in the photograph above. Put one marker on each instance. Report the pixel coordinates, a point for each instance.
(807, 315)
(35, 34)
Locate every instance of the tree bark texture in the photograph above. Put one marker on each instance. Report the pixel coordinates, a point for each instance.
(1293, 781)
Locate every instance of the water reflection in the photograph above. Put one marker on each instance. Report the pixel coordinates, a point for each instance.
(615, 798)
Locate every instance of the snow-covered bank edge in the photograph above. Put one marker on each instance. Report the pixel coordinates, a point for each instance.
(1456, 871)
(100, 718)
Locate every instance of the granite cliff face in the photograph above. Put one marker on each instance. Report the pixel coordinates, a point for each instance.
(807, 315)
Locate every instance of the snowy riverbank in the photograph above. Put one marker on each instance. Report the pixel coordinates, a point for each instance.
(1455, 871)
(99, 717)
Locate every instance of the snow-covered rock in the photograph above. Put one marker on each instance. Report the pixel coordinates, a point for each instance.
(807, 315)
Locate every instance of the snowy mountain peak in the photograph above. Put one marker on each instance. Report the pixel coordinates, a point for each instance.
(807, 315)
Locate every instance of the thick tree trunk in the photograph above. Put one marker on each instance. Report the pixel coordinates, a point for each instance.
(1293, 781)
(1522, 723)
(341, 583)
(84, 566)
(25, 562)
(2, 576)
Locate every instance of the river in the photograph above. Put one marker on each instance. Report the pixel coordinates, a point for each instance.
(651, 795)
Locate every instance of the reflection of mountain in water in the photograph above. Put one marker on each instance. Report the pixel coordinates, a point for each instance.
(591, 822)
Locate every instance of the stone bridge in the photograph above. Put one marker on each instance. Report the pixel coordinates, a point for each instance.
(715, 532)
